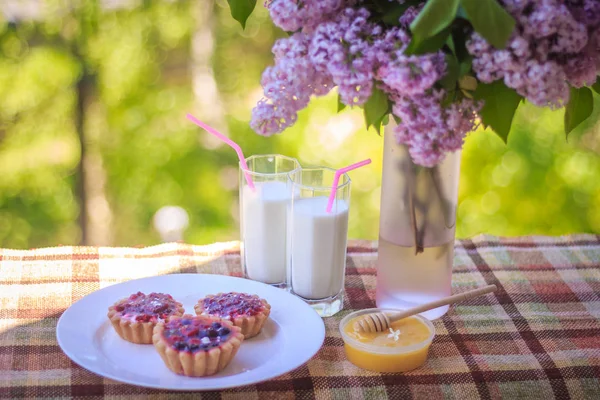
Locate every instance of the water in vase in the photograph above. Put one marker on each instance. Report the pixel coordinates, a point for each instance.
(414, 278)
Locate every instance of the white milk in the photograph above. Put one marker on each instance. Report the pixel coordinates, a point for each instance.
(318, 247)
(264, 231)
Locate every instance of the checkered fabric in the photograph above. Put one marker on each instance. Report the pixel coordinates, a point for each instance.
(537, 337)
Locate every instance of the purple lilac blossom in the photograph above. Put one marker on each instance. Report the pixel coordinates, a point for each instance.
(551, 48)
(293, 15)
(287, 86)
(585, 11)
(345, 49)
(342, 48)
(430, 130)
(409, 15)
(594, 48)
(556, 43)
(412, 74)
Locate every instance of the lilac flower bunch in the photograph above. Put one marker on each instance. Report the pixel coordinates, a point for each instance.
(435, 66)
(340, 48)
(288, 85)
(552, 47)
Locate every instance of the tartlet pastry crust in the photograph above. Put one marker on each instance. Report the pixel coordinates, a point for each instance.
(249, 314)
(183, 353)
(136, 326)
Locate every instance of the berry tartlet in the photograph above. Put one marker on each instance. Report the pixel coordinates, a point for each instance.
(248, 312)
(197, 345)
(134, 317)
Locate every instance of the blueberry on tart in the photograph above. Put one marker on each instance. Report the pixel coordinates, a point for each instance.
(134, 317)
(196, 345)
(246, 311)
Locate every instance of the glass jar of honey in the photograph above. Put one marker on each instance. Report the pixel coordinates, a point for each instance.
(403, 347)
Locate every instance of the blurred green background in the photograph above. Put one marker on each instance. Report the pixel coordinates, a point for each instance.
(94, 140)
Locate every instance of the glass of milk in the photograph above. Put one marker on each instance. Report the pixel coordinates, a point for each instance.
(318, 238)
(263, 217)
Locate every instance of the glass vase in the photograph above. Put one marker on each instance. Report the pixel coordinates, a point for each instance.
(417, 229)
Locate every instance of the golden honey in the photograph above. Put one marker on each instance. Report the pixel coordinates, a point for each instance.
(401, 349)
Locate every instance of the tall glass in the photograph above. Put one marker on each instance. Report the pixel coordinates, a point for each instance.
(318, 238)
(263, 217)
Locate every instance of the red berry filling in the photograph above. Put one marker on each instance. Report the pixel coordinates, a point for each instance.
(147, 308)
(195, 334)
(233, 305)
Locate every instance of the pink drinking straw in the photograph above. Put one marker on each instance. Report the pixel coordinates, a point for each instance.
(230, 142)
(336, 179)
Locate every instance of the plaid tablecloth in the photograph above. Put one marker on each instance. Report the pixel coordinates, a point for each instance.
(537, 337)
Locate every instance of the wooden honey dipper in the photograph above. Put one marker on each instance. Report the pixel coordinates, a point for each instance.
(380, 321)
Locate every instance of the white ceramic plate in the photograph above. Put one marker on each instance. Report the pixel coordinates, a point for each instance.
(291, 336)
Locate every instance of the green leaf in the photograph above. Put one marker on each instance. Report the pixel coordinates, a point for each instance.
(241, 10)
(580, 107)
(375, 108)
(460, 13)
(450, 44)
(466, 93)
(377, 127)
(448, 81)
(428, 45)
(459, 38)
(500, 104)
(490, 20)
(433, 18)
(386, 119)
(340, 105)
(392, 17)
(465, 67)
(596, 86)
(379, 5)
(467, 82)
(450, 97)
